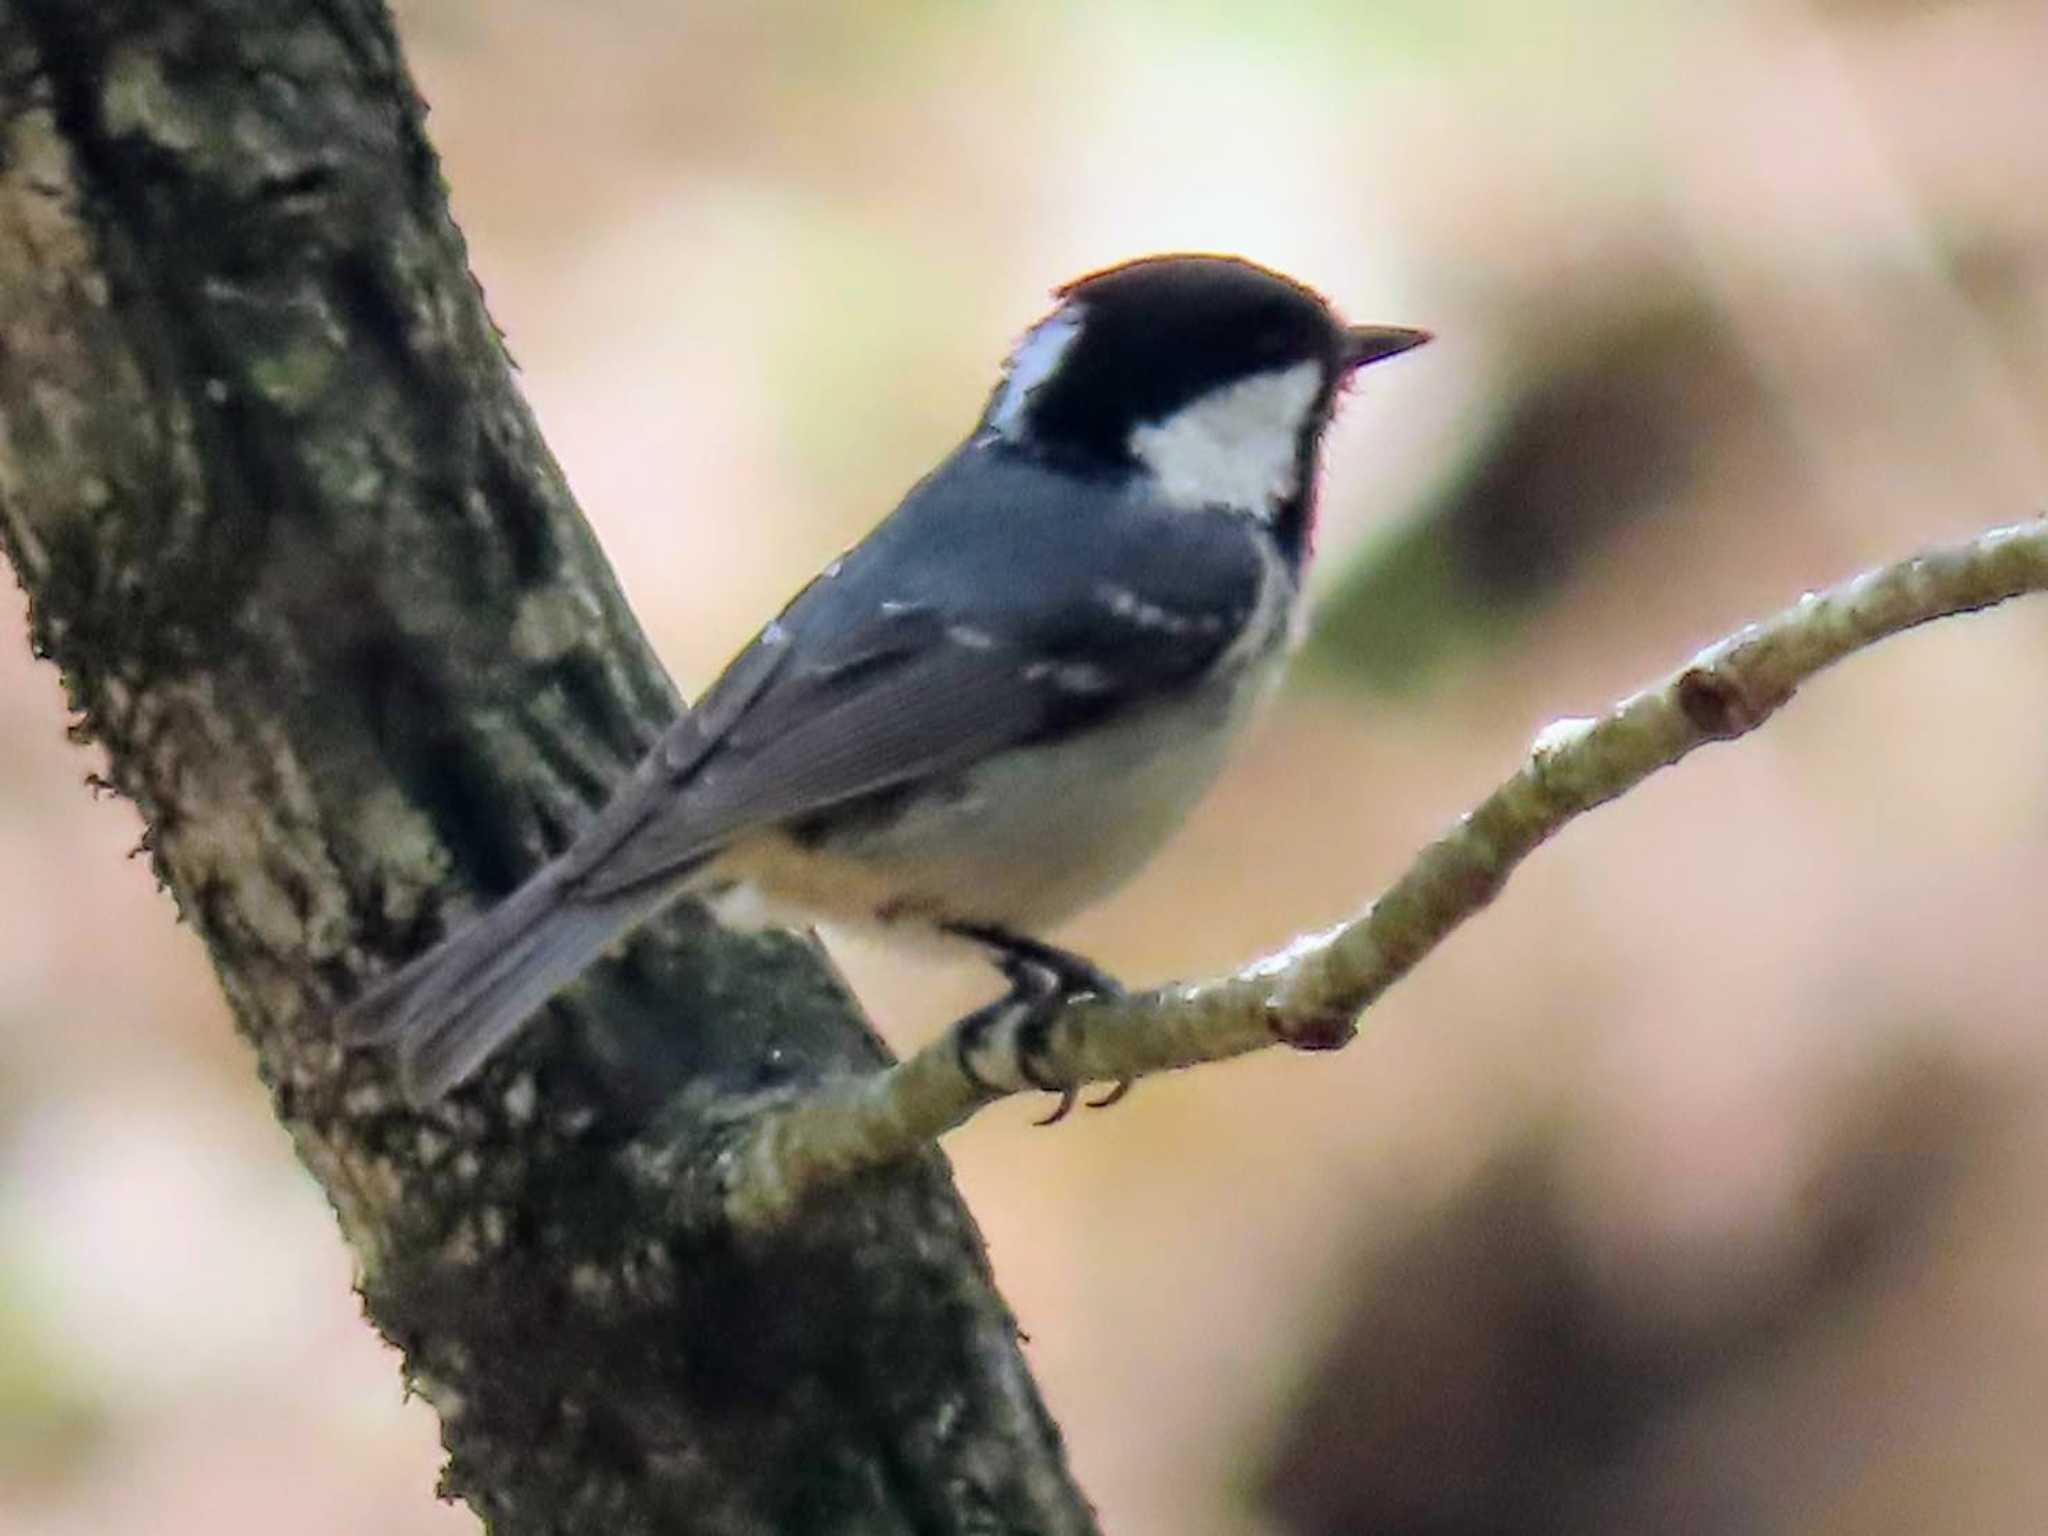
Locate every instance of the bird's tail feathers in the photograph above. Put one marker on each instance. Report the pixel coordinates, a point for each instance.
(448, 1011)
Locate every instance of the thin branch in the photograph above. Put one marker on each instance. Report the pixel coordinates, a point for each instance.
(1310, 995)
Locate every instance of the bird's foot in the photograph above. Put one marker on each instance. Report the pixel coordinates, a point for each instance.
(1043, 980)
(1077, 975)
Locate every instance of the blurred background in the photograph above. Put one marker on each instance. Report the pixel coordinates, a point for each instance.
(1701, 1185)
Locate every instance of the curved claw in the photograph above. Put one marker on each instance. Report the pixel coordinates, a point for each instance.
(971, 1031)
(1062, 1109)
(963, 1058)
(1114, 1096)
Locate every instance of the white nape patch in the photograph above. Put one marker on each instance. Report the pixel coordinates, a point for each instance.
(1238, 446)
(1034, 361)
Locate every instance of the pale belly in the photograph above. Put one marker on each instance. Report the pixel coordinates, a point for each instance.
(1020, 842)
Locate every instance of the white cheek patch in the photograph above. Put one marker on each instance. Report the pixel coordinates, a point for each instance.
(1035, 360)
(1238, 446)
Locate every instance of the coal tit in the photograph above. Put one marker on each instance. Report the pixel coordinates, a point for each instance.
(993, 709)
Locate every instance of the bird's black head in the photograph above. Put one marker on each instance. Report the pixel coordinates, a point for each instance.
(1211, 374)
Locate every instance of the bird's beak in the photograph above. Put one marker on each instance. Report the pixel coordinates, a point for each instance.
(1374, 343)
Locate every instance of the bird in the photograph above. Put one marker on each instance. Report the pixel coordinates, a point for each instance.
(993, 709)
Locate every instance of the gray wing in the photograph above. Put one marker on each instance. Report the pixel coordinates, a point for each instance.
(925, 715)
(979, 616)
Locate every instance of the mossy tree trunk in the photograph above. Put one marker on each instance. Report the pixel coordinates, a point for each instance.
(315, 584)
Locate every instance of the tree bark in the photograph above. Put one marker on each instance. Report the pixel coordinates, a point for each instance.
(320, 592)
